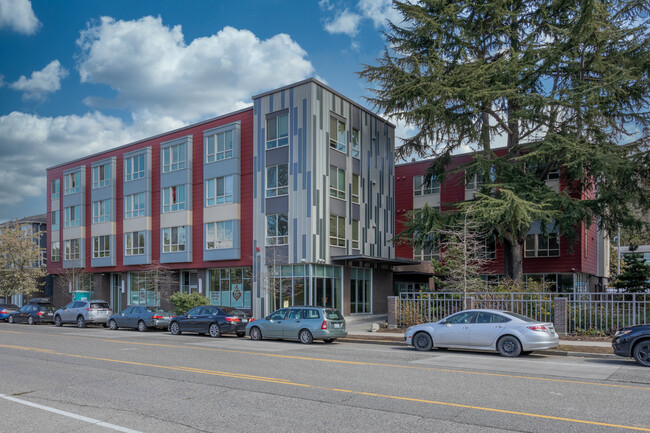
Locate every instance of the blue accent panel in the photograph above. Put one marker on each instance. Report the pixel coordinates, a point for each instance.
(308, 194)
(177, 177)
(104, 193)
(295, 173)
(179, 257)
(226, 253)
(295, 250)
(221, 168)
(255, 183)
(136, 186)
(73, 200)
(141, 259)
(303, 143)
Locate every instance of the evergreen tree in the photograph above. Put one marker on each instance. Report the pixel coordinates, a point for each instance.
(636, 276)
(563, 84)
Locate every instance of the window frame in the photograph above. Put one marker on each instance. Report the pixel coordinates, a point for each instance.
(168, 195)
(335, 144)
(356, 189)
(535, 252)
(72, 183)
(68, 222)
(277, 190)
(101, 211)
(101, 246)
(356, 226)
(55, 251)
(277, 238)
(216, 154)
(71, 246)
(212, 197)
(129, 205)
(55, 189)
(278, 140)
(355, 143)
(168, 243)
(130, 172)
(336, 189)
(431, 189)
(55, 220)
(336, 238)
(130, 248)
(212, 232)
(101, 175)
(174, 157)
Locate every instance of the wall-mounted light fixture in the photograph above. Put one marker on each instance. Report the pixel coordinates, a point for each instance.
(122, 286)
(200, 285)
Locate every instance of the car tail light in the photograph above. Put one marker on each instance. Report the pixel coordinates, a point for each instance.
(251, 319)
(324, 325)
(233, 319)
(3, 311)
(537, 328)
(40, 313)
(156, 317)
(89, 309)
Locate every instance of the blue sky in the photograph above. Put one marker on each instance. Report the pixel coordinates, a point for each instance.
(79, 77)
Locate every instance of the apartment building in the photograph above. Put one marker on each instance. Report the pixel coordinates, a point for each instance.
(287, 202)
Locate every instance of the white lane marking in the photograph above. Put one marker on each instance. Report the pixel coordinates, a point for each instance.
(70, 415)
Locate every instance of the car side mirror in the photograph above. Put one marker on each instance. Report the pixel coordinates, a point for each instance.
(267, 318)
(444, 322)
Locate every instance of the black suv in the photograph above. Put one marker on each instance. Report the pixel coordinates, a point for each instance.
(634, 341)
(37, 310)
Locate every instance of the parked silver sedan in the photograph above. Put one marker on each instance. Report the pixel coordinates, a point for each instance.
(508, 333)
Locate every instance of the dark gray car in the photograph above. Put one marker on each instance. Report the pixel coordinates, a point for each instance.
(141, 317)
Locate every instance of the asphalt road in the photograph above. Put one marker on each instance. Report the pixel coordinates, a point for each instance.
(96, 380)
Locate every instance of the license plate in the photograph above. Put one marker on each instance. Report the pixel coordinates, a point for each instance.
(337, 325)
(244, 320)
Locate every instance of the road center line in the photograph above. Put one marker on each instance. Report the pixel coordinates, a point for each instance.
(70, 415)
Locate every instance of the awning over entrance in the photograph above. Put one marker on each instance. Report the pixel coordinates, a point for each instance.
(361, 260)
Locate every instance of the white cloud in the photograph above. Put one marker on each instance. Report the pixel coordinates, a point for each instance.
(42, 82)
(379, 11)
(345, 22)
(18, 16)
(153, 70)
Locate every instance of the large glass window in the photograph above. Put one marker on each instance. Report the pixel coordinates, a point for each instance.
(174, 157)
(277, 131)
(134, 243)
(72, 216)
(56, 220)
(218, 146)
(355, 234)
(218, 190)
(360, 290)
(337, 182)
(56, 188)
(218, 235)
(134, 205)
(356, 143)
(134, 167)
(541, 245)
(101, 175)
(71, 249)
(277, 180)
(101, 246)
(337, 135)
(277, 229)
(101, 211)
(288, 285)
(142, 289)
(72, 183)
(355, 188)
(337, 231)
(174, 198)
(56, 251)
(231, 287)
(173, 239)
(425, 185)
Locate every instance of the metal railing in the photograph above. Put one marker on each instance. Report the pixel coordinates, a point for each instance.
(607, 312)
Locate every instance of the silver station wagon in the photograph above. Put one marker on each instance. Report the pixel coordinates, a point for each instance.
(303, 323)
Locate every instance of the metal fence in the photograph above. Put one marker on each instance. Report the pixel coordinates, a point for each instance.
(586, 312)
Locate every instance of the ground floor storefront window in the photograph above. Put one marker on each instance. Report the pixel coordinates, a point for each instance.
(142, 289)
(319, 285)
(230, 287)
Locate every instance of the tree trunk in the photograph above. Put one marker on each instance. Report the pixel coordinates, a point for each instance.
(514, 259)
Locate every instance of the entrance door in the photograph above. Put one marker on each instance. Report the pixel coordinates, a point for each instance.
(326, 293)
(189, 282)
(116, 293)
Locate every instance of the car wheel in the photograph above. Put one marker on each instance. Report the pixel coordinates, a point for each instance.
(641, 353)
(329, 340)
(11, 319)
(175, 328)
(255, 333)
(305, 337)
(81, 322)
(30, 320)
(141, 326)
(112, 324)
(57, 321)
(214, 330)
(241, 334)
(422, 342)
(509, 346)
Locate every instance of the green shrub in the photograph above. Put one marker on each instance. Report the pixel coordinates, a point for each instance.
(184, 302)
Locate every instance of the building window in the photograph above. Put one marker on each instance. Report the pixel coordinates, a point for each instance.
(277, 131)
(355, 234)
(142, 289)
(355, 188)
(337, 231)
(490, 248)
(56, 252)
(72, 183)
(337, 135)
(134, 167)
(134, 205)
(71, 249)
(56, 220)
(230, 287)
(277, 229)
(425, 185)
(218, 146)
(101, 176)
(337, 182)
(355, 145)
(473, 181)
(56, 189)
(174, 157)
(101, 246)
(174, 198)
(72, 216)
(360, 290)
(218, 235)
(554, 173)
(173, 239)
(101, 211)
(134, 243)
(277, 180)
(218, 190)
(428, 250)
(541, 245)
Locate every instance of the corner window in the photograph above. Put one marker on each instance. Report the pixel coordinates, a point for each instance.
(337, 182)
(101, 176)
(56, 188)
(174, 198)
(337, 135)
(72, 216)
(355, 234)
(218, 146)
(541, 245)
(355, 145)
(134, 243)
(134, 205)
(174, 157)
(277, 229)
(56, 252)
(428, 250)
(426, 185)
(101, 246)
(55, 220)
(277, 180)
(337, 231)
(277, 131)
(218, 235)
(101, 211)
(218, 190)
(72, 183)
(355, 188)
(134, 167)
(71, 249)
(174, 239)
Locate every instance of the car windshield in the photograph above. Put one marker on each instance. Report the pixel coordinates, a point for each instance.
(97, 305)
(333, 315)
(520, 317)
(233, 311)
(155, 309)
(47, 307)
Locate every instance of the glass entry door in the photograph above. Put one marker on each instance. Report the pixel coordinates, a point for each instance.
(327, 292)
(116, 293)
